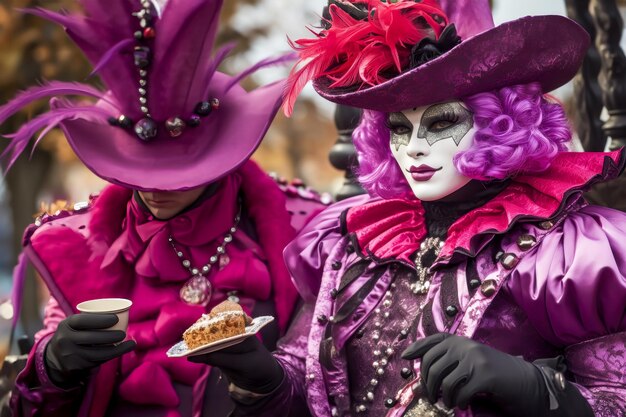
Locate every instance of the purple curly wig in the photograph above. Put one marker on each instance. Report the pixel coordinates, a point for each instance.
(518, 131)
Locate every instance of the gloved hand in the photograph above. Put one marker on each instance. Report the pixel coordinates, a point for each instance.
(80, 344)
(248, 365)
(462, 368)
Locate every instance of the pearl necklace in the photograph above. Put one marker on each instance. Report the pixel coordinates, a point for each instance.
(429, 244)
(383, 351)
(198, 289)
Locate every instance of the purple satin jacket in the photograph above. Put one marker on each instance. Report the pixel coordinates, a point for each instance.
(537, 272)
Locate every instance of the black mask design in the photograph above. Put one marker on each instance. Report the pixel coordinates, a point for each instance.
(401, 129)
(444, 121)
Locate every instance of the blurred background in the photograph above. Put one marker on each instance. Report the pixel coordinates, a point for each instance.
(32, 50)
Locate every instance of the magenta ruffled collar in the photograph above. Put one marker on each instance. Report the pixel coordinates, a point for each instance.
(137, 239)
(265, 205)
(395, 228)
(144, 239)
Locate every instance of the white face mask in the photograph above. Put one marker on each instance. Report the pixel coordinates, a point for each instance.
(424, 142)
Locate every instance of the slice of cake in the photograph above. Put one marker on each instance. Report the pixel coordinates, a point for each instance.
(226, 319)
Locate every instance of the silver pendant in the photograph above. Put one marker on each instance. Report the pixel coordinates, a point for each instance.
(420, 287)
(197, 291)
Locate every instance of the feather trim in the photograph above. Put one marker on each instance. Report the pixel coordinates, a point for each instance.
(355, 52)
(51, 89)
(268, 62)
(47, 121)
(220, 55)
(111, 53)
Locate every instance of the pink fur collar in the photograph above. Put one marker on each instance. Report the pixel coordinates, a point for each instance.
(265, 203)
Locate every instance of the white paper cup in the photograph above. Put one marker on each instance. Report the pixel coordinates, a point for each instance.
(117, 306)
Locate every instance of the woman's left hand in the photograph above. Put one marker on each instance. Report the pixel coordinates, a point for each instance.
(457, 369)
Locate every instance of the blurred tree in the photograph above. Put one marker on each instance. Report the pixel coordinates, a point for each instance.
(296, 146)
(31, 50)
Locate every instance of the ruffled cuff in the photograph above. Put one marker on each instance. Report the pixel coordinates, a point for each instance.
(599, 369)
(286, 397)
(565, 400)
(40, 364)
(306, 255)
(35, 394)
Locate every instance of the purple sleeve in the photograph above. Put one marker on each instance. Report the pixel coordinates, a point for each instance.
(305, 258)
(306, 255)
(34, 393)
(573, 293)
(599, 366)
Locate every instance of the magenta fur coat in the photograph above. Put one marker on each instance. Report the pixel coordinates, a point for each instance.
(115, 248)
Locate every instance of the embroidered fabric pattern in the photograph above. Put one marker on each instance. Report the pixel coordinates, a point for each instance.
(383, 350)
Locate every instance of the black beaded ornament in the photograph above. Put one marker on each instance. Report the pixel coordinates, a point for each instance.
(124, 122)
(147, 128)
(203, 109)
(390, 402)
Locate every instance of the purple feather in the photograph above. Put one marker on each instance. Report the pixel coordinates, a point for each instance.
(68, 21)
(55, 103)
(116, 15)
(267, 62)
(41, 135)
(106, 58)
(53, 88)
(20, 139)
(96, 35)
(217, 60)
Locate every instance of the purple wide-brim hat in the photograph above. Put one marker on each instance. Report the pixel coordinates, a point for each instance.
(218, 146)
(544, 49)
(166, 119)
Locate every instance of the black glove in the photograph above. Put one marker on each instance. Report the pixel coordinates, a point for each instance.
(463, 368)
(248, 365)
(79, 344)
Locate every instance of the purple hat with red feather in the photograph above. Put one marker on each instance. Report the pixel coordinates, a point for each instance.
(168, 119)
(395, 55)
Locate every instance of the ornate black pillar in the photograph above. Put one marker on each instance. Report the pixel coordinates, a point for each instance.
(587, 93)
(603, 75)
(612, 77)
(342, 154)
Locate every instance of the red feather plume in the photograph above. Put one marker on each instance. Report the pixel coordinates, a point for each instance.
(366, 52)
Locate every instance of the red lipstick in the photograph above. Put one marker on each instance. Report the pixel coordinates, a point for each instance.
(423, 172)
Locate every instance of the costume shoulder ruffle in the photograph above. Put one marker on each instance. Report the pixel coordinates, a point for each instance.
(573, 289)
(303, 202)
(102, 214)
(306, 255)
